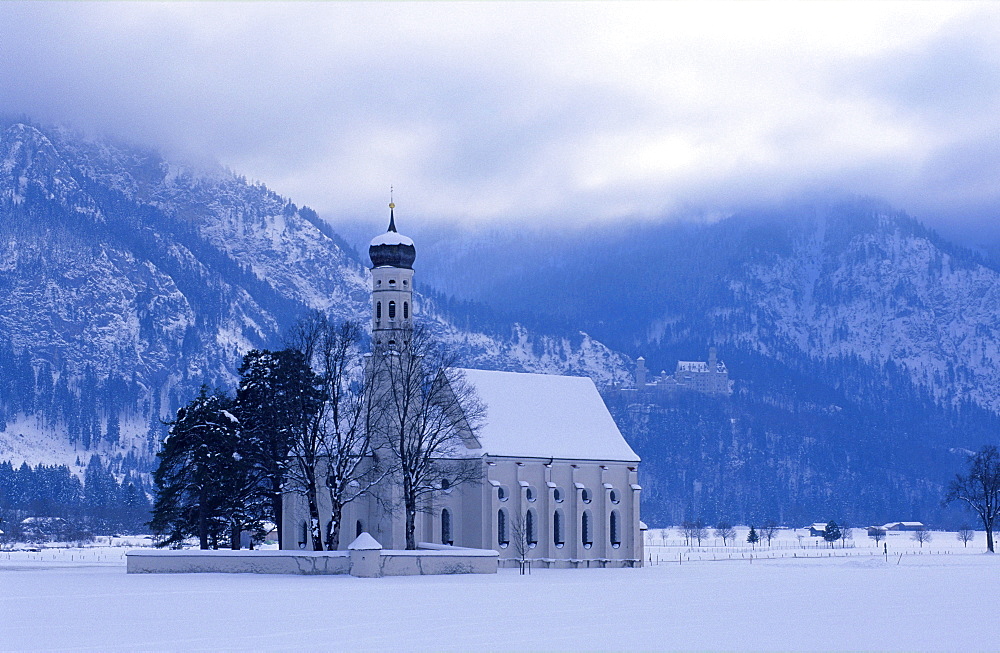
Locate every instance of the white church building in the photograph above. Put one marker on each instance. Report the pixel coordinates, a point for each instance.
(555, 469)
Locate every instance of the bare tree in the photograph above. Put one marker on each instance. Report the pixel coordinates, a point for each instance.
(519, 537)
(965, 534)
(768, 532)
(921, 535)
(307, 446)
(687, 530)
(980, 489)
(427, 417)
(726, 531)
(694, 531)
(877, 534)
(846, 533)
(351, 466)
(700, 531)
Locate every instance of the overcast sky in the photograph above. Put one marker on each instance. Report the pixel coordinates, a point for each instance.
(557, 113)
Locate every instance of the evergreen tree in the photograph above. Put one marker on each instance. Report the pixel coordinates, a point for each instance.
(832, 532)
(752, 537)
(203, 480)
(113, 433)
(277, 396)
(100, 494)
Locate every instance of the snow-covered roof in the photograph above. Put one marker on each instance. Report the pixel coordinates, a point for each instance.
(391, 238)
(546, 416)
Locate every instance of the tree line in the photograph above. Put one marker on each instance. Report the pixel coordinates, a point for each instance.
(321, 419)
(99, 505)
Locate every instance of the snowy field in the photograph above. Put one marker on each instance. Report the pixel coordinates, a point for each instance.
(940, 597)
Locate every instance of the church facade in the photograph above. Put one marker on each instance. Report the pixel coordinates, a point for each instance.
(557, 483)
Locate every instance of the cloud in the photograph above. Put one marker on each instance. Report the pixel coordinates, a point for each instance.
(544, 112)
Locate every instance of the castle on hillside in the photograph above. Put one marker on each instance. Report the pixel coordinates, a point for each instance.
(711, 377)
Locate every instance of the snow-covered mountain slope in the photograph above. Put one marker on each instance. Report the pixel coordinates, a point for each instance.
(889, 292)
(127, 280)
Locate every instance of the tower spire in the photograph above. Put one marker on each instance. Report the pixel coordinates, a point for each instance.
(392, 217)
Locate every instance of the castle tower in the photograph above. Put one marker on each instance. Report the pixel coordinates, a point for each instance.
(392, 255)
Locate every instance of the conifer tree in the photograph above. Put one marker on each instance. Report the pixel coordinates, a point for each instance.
(752, 537)
(276, 398)
(832, 532)
(203, 476)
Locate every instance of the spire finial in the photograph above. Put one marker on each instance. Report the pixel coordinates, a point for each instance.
(392, 217)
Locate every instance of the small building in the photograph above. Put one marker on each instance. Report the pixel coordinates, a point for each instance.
(816, 530)
(908, 526)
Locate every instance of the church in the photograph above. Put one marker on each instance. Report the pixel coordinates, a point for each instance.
(556, 481)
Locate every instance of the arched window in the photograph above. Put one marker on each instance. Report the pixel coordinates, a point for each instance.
(613, 495)
(585, 495)
(502, 529)
(446, 527)
(586, 532)
(557, 529)
(392, 310)
(406, 310)
(304, 535)
(557, 495)
(502, 493)
(378, 310)
(529, 529)
(529, 493)
(614, 530)
(359, 528)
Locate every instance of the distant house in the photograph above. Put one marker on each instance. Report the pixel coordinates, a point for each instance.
(816, 530)
(904, 526)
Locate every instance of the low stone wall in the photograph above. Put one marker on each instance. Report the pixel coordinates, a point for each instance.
(560, 563)
(447, 560)
(440, 561)
(237, 562)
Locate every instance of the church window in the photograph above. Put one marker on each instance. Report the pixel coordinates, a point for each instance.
(585, 495)
(445, 484)
(530, 536)
(392, 310)
(557, 529)
(557, 495)
(392, 282)
(359, 528)
(378, 311)
(615, 531)
(406, 310)
(586, 534)
(502, 539)
(404, 282)
(613, 495)
(378, 283)
(303, 535)
(502, 493)
(529, 493)
(446, 527)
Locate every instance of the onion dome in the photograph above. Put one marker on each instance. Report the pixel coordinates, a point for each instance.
(391, 248)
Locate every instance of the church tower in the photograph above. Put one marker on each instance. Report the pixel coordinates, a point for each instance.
(392, 255)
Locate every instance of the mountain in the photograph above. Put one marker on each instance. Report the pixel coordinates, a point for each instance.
(864, 349)
(127, 280)
(863, 346)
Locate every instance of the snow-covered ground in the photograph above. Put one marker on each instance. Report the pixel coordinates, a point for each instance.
(940, 599)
